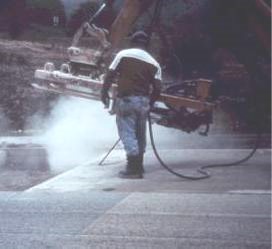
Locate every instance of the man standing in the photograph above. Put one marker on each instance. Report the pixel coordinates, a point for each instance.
(138, 77)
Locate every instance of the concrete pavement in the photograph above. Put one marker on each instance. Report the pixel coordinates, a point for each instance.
(137, 220)
(253, 175)
(90, 207)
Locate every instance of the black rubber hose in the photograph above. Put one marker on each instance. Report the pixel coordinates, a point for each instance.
(203, 169)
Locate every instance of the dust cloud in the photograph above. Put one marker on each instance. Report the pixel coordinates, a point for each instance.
(219, 136)
(77, 131)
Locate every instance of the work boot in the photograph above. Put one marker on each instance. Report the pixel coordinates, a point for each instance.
(133, 169)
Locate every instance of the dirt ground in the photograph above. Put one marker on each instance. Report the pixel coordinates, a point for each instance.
(18, 62)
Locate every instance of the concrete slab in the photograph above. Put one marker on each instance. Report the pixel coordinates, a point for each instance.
(52, 213)
(82, 178)
(238, 229)
(45, 223)
(39, 241)
(23, 166)
(230, 205)
(7, 195)
(90, 207)
(221, 219)
(252, 175)
(50, 202)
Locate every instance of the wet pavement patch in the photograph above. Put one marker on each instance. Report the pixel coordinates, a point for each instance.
(23, 166)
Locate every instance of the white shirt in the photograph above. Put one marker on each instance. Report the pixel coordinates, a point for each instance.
(139, 54)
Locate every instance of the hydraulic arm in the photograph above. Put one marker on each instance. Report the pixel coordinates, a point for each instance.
(187, 108)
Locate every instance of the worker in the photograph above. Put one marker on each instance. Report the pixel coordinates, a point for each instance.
(138, 77)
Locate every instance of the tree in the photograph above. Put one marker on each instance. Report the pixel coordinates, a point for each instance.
(43, 12)
(53, 6)
(80, 15)
(86, 10)
(14, 15)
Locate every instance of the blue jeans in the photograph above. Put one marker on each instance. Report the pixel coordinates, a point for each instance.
(131, 117)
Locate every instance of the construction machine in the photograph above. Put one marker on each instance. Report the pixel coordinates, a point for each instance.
(186, 105)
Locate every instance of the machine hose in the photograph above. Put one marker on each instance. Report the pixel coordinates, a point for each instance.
(204, 174)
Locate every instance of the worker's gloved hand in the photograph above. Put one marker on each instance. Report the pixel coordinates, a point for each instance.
(105, 98)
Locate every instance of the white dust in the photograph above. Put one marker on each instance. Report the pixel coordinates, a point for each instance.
(78, 131)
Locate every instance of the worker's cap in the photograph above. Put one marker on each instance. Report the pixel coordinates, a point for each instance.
(139, 37)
